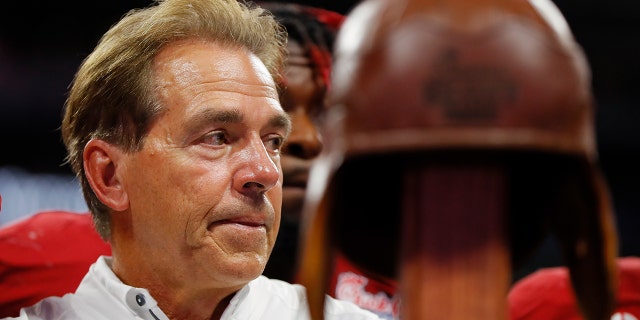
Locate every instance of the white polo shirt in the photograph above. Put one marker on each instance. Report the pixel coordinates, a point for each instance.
(101, 295)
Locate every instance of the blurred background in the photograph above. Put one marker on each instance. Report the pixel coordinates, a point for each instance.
(43, 42)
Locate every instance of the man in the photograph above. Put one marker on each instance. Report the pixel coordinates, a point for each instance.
(311, 35)
(311, 32)
(174, 128)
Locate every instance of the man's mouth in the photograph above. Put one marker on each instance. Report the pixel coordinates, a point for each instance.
(240, 222)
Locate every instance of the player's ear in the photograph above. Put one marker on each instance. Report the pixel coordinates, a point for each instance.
(101, 164)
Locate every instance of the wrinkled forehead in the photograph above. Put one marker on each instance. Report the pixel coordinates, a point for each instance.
(193, 61)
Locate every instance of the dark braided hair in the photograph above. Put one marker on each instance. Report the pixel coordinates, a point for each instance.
(314, 28)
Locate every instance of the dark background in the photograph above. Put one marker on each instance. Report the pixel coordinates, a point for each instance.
(43, 42)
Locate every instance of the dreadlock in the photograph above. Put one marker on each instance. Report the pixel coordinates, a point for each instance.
(314, 28)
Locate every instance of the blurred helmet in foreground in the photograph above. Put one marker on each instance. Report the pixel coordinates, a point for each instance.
(460, 135)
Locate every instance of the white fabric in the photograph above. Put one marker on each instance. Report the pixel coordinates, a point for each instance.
(101, 295)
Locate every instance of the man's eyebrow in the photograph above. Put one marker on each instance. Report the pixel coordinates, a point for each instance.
(280, 121)
(225, 116)
(283, 121)
(205, 118)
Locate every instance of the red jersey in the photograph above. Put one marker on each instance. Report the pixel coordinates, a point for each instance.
(370, 292)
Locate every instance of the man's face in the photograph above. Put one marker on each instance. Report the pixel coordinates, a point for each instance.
(206, 189)
(304, 101)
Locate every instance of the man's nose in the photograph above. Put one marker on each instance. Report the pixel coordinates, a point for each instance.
(258, 171)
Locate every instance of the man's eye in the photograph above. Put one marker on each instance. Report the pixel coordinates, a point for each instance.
(274, 143)
(215, 138)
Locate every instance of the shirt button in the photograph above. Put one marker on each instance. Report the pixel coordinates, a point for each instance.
(140, 299)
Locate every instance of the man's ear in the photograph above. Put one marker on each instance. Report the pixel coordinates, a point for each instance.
(101, 165)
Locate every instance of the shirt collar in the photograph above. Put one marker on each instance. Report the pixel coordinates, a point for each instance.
(138, 300)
